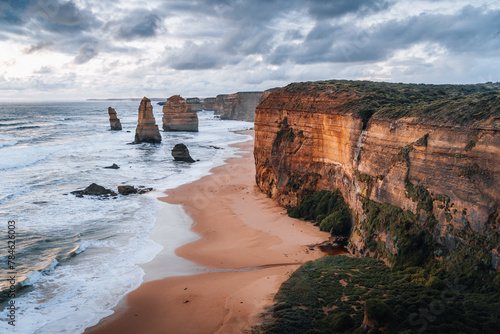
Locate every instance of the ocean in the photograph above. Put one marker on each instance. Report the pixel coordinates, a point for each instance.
(75, 258)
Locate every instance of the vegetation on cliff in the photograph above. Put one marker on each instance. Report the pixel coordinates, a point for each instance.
(327, 209)
(340, 294)
(426, 287)
(443, 104)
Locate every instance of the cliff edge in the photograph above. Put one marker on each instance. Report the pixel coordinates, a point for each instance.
(430, 150)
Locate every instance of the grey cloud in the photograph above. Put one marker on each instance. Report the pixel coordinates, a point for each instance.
(324, 9)
(44, 70)
(34, 17)
(192, 57)
(470, 31)
(38, 46)
(139, 24)
(86, 52)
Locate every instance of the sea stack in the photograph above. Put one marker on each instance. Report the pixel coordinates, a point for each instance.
(114, 122)
(147, 130)
(179, 116)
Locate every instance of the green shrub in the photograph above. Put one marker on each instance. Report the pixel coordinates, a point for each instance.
(378, 311)
(340, 322)
(338, 223)
(327, 208)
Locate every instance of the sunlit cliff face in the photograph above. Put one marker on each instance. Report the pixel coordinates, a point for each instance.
(309, 140)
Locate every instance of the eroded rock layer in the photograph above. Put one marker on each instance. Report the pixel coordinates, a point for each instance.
(147, 130)
(433, 150)
(179, 116)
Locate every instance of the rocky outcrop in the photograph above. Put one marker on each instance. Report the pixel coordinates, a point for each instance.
(179, 116)
(114, 122)
(433, 150)
(209, 103)
(180, 152)
(94, 190)
(194, 103)
(147, 130)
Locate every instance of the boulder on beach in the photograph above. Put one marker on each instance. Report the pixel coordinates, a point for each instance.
(94, 190)
(180, 152)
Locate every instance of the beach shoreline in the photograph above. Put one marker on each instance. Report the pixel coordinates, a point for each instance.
(248, 245)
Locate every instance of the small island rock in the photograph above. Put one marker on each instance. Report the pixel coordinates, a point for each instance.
(180, 152)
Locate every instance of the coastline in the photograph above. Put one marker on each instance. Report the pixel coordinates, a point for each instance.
(247, 243)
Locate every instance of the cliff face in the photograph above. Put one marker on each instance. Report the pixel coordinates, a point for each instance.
(312, 136)
(147, 130)
(178, 115)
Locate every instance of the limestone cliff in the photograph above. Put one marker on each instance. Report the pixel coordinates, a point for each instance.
(430, 149)
(114, 122)
(147, 130)
(179, 116)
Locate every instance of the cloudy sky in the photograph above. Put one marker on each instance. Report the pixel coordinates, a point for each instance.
(78, 49)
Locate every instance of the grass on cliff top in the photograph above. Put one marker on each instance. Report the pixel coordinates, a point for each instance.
(445, 104)
(336, 294)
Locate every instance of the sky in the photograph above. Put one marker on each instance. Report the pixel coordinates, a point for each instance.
(78, 49)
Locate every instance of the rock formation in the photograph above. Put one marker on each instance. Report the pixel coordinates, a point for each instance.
(194, 103)
(180, 152)
(94, 190)
(430, 149)
(113, 166)
(114, 122)
(147, 130)
(179, 116)
(209, 103)
(239, 106)
(127, 190)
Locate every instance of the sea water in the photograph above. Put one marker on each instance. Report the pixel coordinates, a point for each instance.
(75, 258)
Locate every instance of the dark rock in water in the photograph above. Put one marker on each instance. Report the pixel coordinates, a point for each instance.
(94, 190)
(113, 166)
(127, 190)
(181, 153)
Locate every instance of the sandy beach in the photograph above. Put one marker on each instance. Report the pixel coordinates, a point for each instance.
(248, 244)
